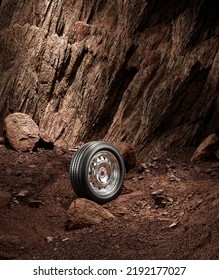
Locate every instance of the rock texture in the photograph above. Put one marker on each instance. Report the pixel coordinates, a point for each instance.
(128, 154)
(144, 72)
(83, 212)
(207, 148)
(21, 131)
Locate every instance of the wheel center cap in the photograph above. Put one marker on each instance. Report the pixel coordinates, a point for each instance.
(103, 175)
(102, 172)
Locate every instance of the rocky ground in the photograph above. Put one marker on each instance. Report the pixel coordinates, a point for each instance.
(168, 209)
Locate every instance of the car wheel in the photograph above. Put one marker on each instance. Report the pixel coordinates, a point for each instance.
(97, 171)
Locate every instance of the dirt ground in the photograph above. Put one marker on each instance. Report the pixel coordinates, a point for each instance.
(168, 209)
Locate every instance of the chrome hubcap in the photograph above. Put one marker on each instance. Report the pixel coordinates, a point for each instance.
(103, 172)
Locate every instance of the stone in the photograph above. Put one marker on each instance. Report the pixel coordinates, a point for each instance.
(142, 167)
(5, 197)
(173, 178)
(22, 132)
(49, 239)
(174, 224)
(206, 149)
(128, 154)
(65, 239)
(23, 193)
(157, 192)
(83, 213)
(160, 199)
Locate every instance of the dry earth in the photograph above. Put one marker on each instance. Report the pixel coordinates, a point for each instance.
(181, 221)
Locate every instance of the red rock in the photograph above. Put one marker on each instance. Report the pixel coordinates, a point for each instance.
(22, 131)
(206, 148)
(83, 212)
(128, 154)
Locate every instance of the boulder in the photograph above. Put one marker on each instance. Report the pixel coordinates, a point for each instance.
(22, 132)
(128, 154)
(4, 198)
(83, 213)
(206, 149)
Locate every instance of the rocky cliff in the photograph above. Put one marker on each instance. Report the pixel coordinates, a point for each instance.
(144, 72)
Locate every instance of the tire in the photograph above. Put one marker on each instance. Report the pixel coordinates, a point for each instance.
(97, 172)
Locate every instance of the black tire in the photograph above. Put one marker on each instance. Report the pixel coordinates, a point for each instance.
(97, 172)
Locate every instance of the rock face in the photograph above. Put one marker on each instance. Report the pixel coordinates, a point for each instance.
(83, 212)
(144, 72)
(207, 148)
(22, 132)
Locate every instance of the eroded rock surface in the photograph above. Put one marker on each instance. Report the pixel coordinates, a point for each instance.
(144, 72)
(207, 148)
(22, 132)
(83, 212)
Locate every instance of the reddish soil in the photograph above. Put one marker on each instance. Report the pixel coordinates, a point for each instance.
(180, 223)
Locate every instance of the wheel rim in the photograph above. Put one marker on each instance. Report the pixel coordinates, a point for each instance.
(104, 173)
